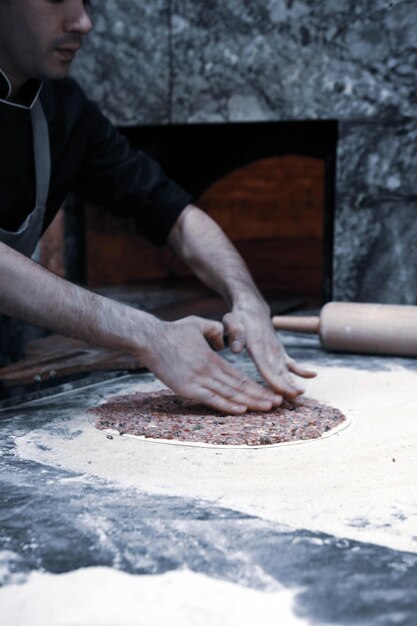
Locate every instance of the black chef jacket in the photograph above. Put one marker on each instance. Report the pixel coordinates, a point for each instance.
(88, 155)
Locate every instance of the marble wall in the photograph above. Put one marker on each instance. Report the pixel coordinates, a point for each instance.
(189, 61)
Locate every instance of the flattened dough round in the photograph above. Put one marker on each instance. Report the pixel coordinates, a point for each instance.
(163, 416)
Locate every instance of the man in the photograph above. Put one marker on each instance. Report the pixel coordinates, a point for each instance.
(52, 139)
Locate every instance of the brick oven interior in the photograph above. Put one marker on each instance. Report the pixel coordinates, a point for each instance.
(270, 186)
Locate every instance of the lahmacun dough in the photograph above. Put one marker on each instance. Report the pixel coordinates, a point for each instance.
(162, 415)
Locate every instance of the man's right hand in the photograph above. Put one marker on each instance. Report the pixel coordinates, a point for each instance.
(181, 354)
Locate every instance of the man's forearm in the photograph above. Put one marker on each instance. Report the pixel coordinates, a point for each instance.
(177, 352)
(34, 295)
(206, 249)
(201, 243)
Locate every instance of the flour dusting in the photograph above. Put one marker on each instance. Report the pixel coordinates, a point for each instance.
(100, 596)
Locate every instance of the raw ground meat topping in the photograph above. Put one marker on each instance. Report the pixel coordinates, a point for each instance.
(163, 415)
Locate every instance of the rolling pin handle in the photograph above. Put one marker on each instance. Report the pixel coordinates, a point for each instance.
(297, 324)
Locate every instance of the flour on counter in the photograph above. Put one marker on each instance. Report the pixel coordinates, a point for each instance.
(100, 596)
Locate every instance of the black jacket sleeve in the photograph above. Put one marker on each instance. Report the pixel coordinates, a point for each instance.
(127, 182)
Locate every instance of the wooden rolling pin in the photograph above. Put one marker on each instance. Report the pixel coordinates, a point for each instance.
(363, 328)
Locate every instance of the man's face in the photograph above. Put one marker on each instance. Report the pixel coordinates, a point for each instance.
(39, 38)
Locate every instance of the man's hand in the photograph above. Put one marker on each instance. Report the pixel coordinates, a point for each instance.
(180, 355)
(200, 242)
(252, 328)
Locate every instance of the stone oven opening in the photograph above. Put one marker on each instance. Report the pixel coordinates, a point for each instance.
(270, 186)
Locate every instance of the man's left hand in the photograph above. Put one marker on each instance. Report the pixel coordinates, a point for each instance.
(251, 328)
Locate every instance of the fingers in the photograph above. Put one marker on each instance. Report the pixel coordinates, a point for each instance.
(210, 379)
(281, 381)
(211, 330)
(268, 353)
(203, 375)
(275, 366)
(235, 332)
(219, 385)
(270, 357)
(231, 385)
(243, 391)
(218, 402)
(295, 368)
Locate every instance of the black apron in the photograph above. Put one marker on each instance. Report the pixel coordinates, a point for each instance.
(26, 238)
(13, 334)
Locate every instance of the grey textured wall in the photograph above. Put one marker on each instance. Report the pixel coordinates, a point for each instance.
(188, 61)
